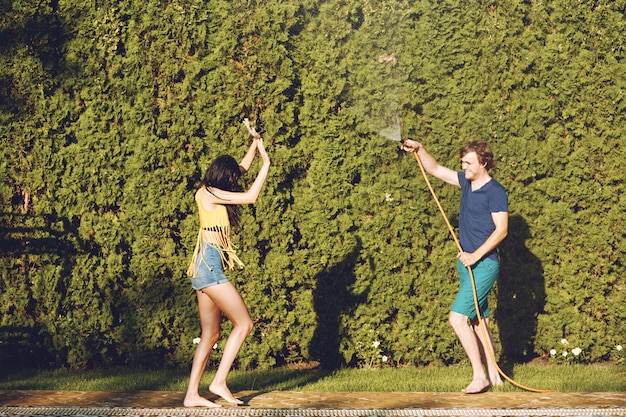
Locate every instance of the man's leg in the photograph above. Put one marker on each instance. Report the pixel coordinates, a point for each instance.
(470, 343)
(481, 329)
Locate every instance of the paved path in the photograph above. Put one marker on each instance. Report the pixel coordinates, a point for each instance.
(294, 404)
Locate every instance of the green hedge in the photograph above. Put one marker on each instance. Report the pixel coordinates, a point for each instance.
(110, 114)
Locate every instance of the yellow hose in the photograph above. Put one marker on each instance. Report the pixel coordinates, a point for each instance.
(483, 325)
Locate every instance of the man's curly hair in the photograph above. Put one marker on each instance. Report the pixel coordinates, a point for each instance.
(483, 152)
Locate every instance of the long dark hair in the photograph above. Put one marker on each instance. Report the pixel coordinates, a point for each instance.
(224, 173)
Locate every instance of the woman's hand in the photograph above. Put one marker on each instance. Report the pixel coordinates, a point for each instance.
(251, 130)
(264, 156)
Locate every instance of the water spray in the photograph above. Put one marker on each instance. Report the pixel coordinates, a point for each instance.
(394, 132)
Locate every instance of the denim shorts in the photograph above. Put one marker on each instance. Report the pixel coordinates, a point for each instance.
(485, 274)
(209, 267)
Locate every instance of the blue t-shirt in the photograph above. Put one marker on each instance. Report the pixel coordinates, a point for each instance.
(475, 221)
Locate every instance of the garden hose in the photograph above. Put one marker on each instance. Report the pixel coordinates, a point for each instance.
(492, 355)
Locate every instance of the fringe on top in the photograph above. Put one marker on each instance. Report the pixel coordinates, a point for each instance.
(214, 231)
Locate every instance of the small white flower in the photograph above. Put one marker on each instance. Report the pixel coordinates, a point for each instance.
(215, 346)
(618, 347)
(552, 352)
(564, 342)
(375, 344)
(388, 197)
(385, 358)
(576, 351)
(196, 341)
(565, 354)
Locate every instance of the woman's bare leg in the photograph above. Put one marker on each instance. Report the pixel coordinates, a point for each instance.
(228, 300)
(210, 321)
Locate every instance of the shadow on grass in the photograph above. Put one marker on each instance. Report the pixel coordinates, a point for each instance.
(166, 379)
(111, 379)
(283, 379)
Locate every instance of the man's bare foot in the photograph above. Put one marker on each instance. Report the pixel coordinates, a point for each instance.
(224, 392)
(476, 386)
(496, 382)
(197, 401)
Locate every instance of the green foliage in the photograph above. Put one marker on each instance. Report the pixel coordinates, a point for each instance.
(109, 115)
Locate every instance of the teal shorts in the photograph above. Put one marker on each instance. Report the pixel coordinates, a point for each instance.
(485, 274)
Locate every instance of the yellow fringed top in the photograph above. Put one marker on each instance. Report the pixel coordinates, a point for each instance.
(214, 230)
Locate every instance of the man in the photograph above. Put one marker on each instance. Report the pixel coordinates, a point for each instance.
(483, 224)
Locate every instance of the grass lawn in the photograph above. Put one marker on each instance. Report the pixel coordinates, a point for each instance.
(562, 378)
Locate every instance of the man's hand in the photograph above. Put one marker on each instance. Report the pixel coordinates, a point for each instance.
(468, 259)
(411, 145)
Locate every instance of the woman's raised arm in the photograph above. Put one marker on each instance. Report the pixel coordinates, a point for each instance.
(246, 162)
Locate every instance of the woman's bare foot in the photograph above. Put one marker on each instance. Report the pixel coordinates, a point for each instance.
(224, 392)
(198, 401)
(476, 386)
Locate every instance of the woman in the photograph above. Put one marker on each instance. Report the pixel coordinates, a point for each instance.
(218, 200)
